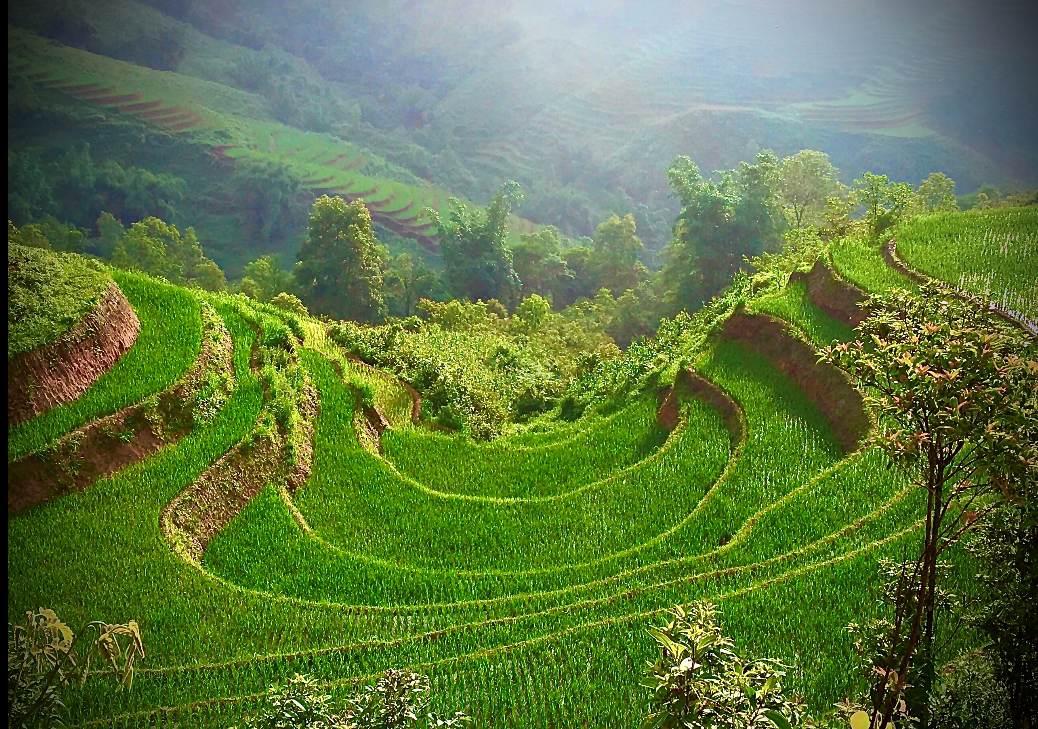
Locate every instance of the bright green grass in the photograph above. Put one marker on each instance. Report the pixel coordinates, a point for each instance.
(168, 343)
(792, 304)
(860, 262)
(989, 253)
(592, 648)
(352, 496)
(456, 464)
(47, 294)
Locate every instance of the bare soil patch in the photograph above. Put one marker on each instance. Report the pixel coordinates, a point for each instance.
(835, 297)
(824, 385)
(61, 371)
(105, 446)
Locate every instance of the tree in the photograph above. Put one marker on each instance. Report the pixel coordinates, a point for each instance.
(340, 263)
(955, 391)
(805, 182)
(720, 223)
(538, 262)
(407, 281)
(699, 682)
(158, 249)
(263, 279)
(272, 199)
(616, 249)
(885, 201)
(1005, 547)
(478, 265)
(937, 193)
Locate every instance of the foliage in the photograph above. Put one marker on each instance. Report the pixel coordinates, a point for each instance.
(263, 278)
(700, 682)
(539, 264)
(272, 199)
(340, 263)
(47, 293)
(478, 266)
(720, 224)
(78, 189)
(477, 368)
(1005, 545)
(804, 183)
(956, 394)
(407, 281)
(937, 193)
(615, 255)
(290, 303)
(398, 700)
(970, 696)
(42, 661)
(885, 202)
(158, 249)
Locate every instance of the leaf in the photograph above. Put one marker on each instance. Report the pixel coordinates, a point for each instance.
(860, 720)
(777, 719)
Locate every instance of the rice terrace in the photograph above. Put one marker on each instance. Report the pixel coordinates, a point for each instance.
(388, 365)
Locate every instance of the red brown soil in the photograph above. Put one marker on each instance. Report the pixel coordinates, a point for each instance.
(142, 106)
(161, 112)
(198, 513)
(823, 384)
(63, 370)
(91, 94)
(105, 446)
(118, 99)
(695, 385)
(668, 412)
(892, 260)
(80, 88)
(836, 298)
(181, 126)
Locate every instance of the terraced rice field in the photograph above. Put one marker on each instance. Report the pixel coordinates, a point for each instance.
(519, 574)
(236, 125)
(992, 254)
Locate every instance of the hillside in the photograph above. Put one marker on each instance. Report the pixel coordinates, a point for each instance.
(584, 105)
(275, 506)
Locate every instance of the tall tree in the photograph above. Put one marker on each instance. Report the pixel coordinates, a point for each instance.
(407, 281)
(477, 263)
(616, 250)
(159, 249)
(538, 262)
(340, 263)
(885, 201)
(955, 391)
(805, 182)
(719, 224)
(937, 193)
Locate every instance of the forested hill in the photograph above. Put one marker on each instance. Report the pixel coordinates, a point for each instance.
(585, 105)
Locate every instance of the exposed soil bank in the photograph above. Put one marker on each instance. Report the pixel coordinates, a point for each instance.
(61, 371)
(824, 385)
(838, 299)
(105, 446)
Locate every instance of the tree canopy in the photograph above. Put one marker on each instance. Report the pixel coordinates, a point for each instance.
(340, 262)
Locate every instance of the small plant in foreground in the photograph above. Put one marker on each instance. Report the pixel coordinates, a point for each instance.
(398, 700)
(699, 682)
(41, 659)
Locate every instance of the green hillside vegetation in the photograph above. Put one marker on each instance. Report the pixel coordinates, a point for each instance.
(47, 293)
(535, 559)
(992, 254)
(379, 435)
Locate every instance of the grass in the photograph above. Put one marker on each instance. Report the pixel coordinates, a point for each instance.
(860, 261)
(456, 464)
(168, 343)
(48, 293)
(480, 592)
(992, 254)
(793, 305)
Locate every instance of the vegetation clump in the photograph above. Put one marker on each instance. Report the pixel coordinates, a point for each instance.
(47, 292)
